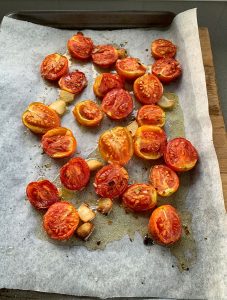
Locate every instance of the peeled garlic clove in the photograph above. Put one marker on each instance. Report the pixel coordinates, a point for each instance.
(105, 206)
(67, 97)
(94, 164)
(132, 127)
(168, 100)
(59, 106)
(85, 230)
(86, 213)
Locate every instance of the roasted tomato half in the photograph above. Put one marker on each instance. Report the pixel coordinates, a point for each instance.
(149, 142)
(140, 197)
(80, 46)
(73, 82)
(165, 225)
(75, 174)
(106, 82)
(88, 113)
(165, 180)
(116, 145)
(61, 221)
(151, 115)
(54, 66)
(117, 104)
(163, 48)
(130, 68)
(111, 181)
(40, 118)
(59, 142)
(167, 69)
(104, 55)
(42, 194)
(148, 89)
(180, 155)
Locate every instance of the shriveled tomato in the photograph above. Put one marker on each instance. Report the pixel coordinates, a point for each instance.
(149, 142)
(59, 142)
(73, 82)
(165, 225)
(80, 46)
(61, 221)
(163, 48)
(165, 180)
(140, 197)
(111, 181)
(180, 155)
(40, 118)
(88, 113)
(167, 69)
(151, 115)
(148, 89)
(116, 145)
(106, 82)
(54, 66)
(104, 55)
(42, 194)
(75, 174)
(130, 68)
(117, 104)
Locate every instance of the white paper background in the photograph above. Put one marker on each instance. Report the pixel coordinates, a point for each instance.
(28, 262)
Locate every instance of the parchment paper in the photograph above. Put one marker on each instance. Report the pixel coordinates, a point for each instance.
(124, 268)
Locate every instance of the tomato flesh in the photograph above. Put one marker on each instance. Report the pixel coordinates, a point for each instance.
(151, 115)
(54, 66)
(130, 68)
(167, 69)
(106, 82)
(73, 82)
(163, 48)
(104, 56)
(80, 46)
(88, 113)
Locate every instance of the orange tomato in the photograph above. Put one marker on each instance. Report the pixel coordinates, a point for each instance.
(106, 82)
(130, 68)
(80, 46)
(163, 48)
(167, 69)
(73, 82)
(88, 113)
(151, 115)
(54, 66)
(104, 56)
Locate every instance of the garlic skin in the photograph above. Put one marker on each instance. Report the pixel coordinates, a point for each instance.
(59, 106)
(132, 127)
(85, 230)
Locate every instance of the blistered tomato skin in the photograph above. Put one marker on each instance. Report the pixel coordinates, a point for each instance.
(165, 225)
(73, 82)
(80, 46)
(161, 48)
(88, 113)
(54, 66)
(167, 69)
(111, 181)
(130, 68)
(106, 82)
(151, 115)
(104, 56)
(40, 118)
(140, 197)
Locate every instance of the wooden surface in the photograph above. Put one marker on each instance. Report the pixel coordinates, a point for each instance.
(220, 143)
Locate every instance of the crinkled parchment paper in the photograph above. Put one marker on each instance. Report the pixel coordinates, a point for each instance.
(124, 268)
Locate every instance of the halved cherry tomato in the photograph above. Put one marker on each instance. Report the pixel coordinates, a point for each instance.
(163, 48)
(111, 181)
(61, 221)
(151, 115)
(148, 89)
(106, 82)
(104, 55)
(149, 142)
(40, 118)
(116, 145)
(167, 69)
(165, 180)
(75, 174)
(88, 113)
(140, 197)
(165, 225)
(117, 104)
(42, 194)
(73, 82)
(130, 68)
(54, 66)
(59, 142)
(180, 155)
(80, 46)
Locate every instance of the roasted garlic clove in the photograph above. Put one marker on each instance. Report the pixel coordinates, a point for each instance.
(168, 100)
(132, 127)
(105, 206)
(59, 106)
(66, 96)
(86, 213)
(122, 53)
(85, 230)
(94, 164)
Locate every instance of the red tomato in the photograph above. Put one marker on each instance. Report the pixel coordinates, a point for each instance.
(165, 180)
(111, 181)
(80, 46)
(140, 197)
(88, 113)
(167, 69)
(54, 66)
(117, 104)
(61, 221)
(148, 89)
(151, 115)
(75, 174)
(106, 82)
(104, 56)
(59, 142)
(165, 225)
(149, 142)
(163, 48)
(73, 82)
(130, 68)
(42, 194)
